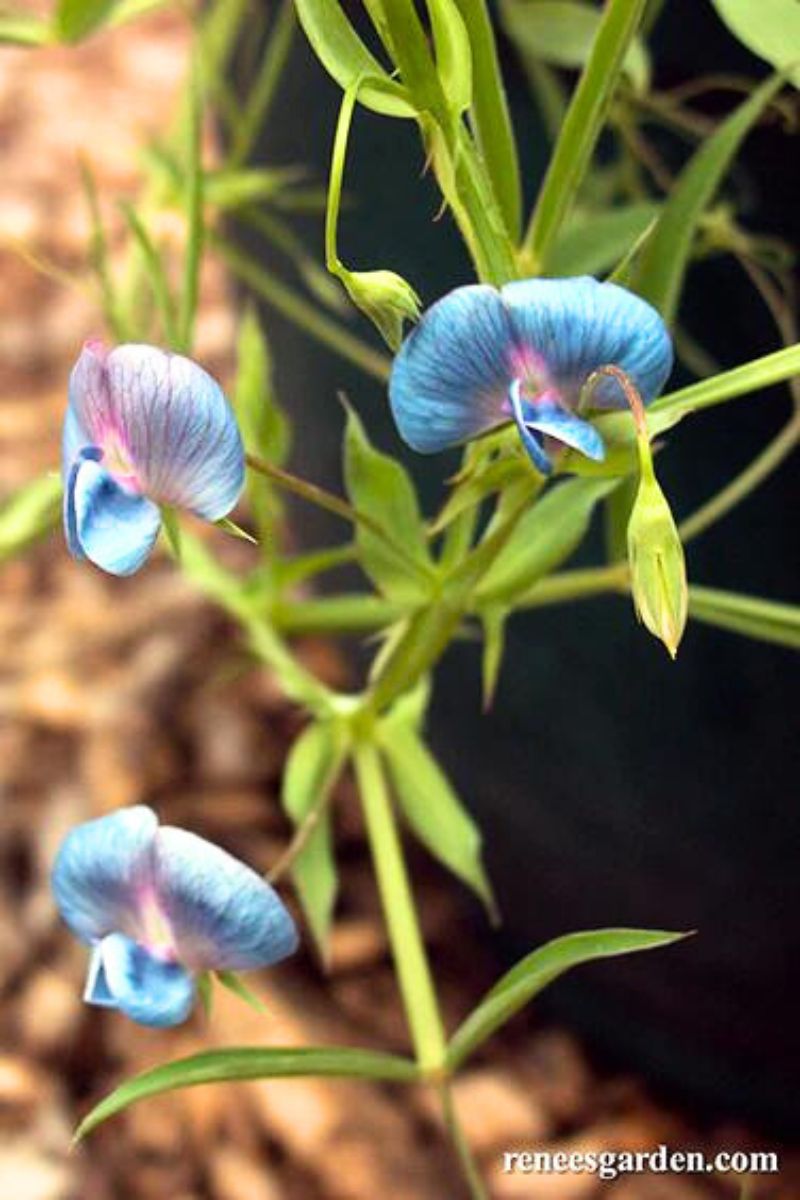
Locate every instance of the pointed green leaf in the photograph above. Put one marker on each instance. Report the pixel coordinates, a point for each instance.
(251, 1062)
(539, 969)
(562, 33)
(664, 260)
(545, 536)
(77, 19)
(494, 618)
(29, 514)
(265, 427)
(378, 485)
(453, 53)
(346, 58)
(594, 242)
(235, 984)
(314, 764)
(432, 808)
(582, 125)
(23, 29)
(769, 28)
(764, 620)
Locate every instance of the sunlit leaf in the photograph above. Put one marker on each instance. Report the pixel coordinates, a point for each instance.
(251, 1062)
(314, 764)
(432, 808)
(562, 33)
(379, 486)
(543, 539)
(77, 19)
(345, 57)
(453, 53)
(770, 28)
(29, 514)
(592, 243)
(539, 969)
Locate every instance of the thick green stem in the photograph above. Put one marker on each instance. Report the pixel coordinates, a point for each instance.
(408, 949)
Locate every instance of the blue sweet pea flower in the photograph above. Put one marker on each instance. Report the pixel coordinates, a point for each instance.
(480, 357)
(143, 428)
(158, 905)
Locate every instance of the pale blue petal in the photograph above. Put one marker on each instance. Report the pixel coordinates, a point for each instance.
(97, 991)
(223, 916)
(577, 325)
(167, 418)
(531, 441)
(450, 377)
(147, 989)
(102, 868)
(558, 423)
(114, 528)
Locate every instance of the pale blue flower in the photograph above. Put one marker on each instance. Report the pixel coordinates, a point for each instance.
(158, 906)
(143, 428)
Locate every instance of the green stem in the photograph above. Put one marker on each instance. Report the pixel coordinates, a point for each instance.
(759, 469)
(469, 1167)
(338, 157)
(408, 949)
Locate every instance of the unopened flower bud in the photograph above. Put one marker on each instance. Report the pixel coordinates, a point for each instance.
(386, 298)
(657, 565)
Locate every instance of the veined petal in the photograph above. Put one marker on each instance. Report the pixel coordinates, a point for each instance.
(222, 915)
(165, 418)
(114, 528)
(577, 325)
(100, 871)
(148, 989)
(450, 377)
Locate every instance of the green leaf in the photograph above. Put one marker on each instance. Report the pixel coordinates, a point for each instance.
(236, 985)
(562, 33)
(251, 1062)
(77, 19)
(769, 28)
(379, 486)
(545, 536)
(234, 188)
(493, 618)
(265, 427)
(314, 764)
(764, 620)
(432, 808)
(540, 968)
(593, 242)
(476, 485)
(21, 29)
(664, 260)
(29, 514)
(453, 54)
(582, 125)
(346, 58)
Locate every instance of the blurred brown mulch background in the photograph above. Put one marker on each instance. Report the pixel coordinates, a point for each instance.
(117, 693)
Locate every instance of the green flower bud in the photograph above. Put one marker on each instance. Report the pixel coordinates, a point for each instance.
(657, 565)
(386, 298)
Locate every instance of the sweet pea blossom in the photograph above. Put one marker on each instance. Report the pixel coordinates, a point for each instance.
(143, 428)
(482, 356)
(158, 905)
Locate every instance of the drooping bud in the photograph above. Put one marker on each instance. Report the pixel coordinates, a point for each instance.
(657, 564)
(386, 298)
